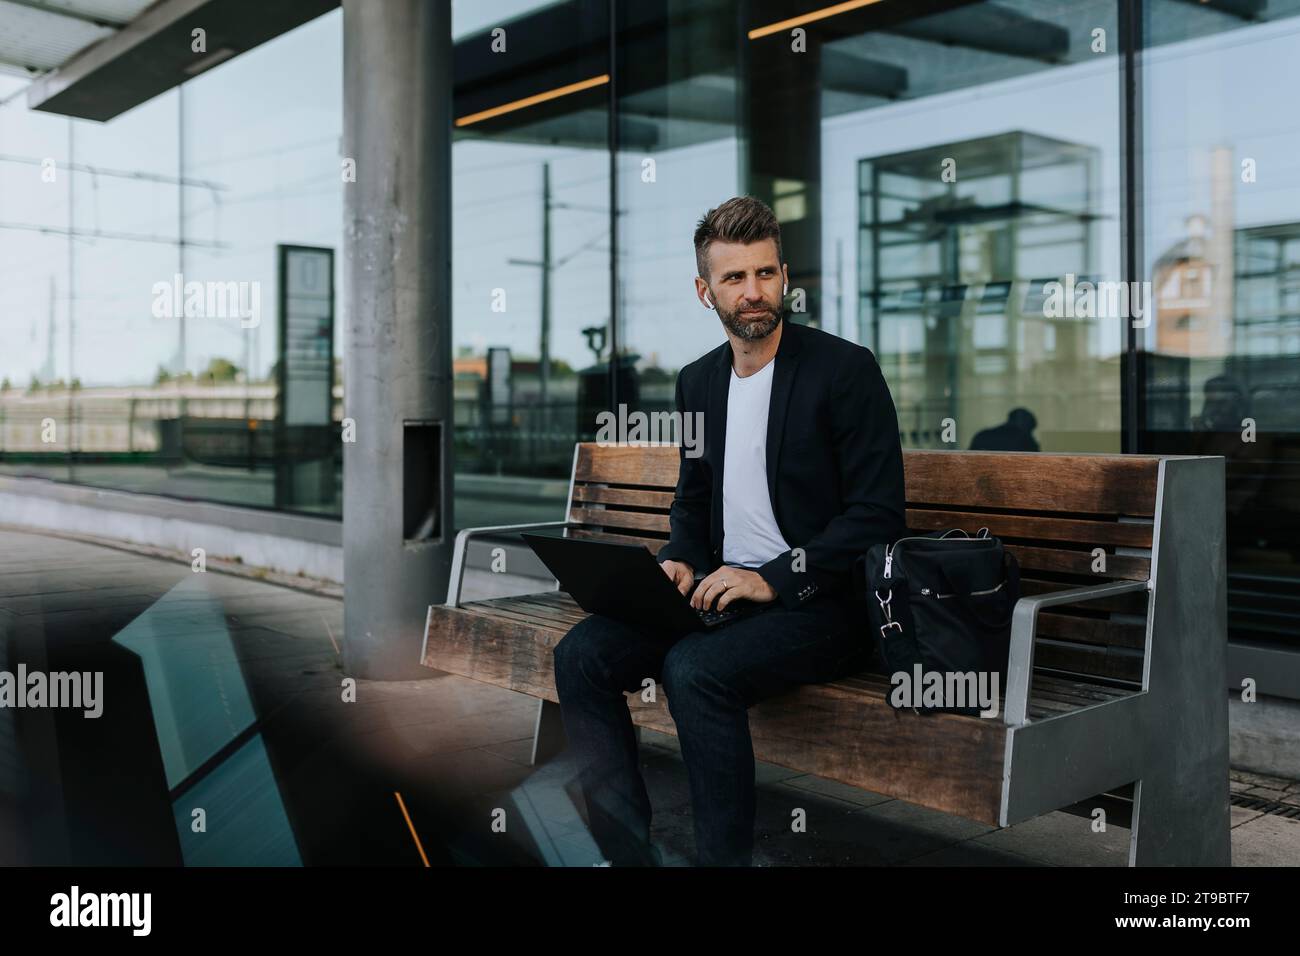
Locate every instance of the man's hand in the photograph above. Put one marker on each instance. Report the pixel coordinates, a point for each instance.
(680, 573)
(727, 584)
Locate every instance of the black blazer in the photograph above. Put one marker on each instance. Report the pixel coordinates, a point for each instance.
(834, 463)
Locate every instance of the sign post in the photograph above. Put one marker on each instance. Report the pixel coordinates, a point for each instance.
(305, 450)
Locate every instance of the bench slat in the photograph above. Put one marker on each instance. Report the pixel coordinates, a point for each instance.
(555, 615)
(1071, 700)
(566, 612)
(654, 544)
(1034, 481)
(1085, 659)
(613, 518)
(637, 497)
(1078, 531)
(652, 466)
(1067, 684)
(490, 611)
(1122, 566)
(1017, 481)
(1091, 630)
(1092, 533)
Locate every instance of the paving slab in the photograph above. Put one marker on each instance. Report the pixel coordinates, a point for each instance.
(1267, 840)
(1062, 839)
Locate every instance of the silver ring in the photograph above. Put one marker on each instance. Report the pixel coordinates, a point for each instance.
(724, 583)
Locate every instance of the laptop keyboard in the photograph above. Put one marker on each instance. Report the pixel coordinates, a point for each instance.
(715, 617)
(710, 617)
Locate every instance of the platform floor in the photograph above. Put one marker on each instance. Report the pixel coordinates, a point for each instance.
(222, 700)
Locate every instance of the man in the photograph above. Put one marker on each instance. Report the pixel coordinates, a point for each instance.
(801, 472)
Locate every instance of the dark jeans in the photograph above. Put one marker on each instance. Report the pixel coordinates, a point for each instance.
(711, 679)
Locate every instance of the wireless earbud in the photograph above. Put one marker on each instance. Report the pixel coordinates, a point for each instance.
(707, 301)
(784, 287)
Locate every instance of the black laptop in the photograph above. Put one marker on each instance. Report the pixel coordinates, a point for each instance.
(625, 582)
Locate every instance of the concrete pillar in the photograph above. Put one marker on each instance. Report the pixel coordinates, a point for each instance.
(397, 479)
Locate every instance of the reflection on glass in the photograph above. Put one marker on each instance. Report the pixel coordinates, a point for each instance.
(247, 825)
(956, 308)
(225, 799)
(679, 156)
(108, 380)
(196, 690)
(970, 159)
(531, 265)
(1221, 362)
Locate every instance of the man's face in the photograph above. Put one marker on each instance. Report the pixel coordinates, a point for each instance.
(745, 285)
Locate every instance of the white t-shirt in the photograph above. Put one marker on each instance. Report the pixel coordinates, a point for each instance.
(750, 536)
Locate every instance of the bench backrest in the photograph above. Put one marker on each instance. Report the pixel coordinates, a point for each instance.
(1053, 511)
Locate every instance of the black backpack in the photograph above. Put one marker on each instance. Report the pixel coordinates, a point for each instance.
(941, 602)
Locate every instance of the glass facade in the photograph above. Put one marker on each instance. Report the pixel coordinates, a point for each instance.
(1220, 359)
(530, 251)
(140, 264)
(1060, 226)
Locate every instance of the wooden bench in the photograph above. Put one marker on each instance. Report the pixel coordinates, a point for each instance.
(1115, 693)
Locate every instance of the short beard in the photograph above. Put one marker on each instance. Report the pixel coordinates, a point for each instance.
(750, 330)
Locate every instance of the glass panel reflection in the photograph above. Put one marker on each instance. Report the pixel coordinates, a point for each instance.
(531, 266)
(970, 158)
(106, 378)
(226, 800)
(1222, 211)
